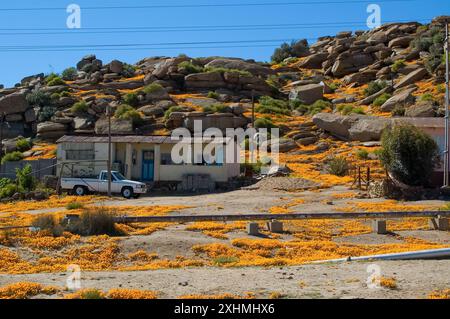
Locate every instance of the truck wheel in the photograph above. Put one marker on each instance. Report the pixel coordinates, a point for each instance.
(79, 190)
(127, 192)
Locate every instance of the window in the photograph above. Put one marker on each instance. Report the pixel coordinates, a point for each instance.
(166, 159)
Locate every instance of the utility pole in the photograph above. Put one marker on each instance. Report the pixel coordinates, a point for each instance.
(108, 111)
(447, 111)
(252, 142)
(2, 120)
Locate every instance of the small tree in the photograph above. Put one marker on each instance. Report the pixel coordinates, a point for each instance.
(25, 179)
(409, 154)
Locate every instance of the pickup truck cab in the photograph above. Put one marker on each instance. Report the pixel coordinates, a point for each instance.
(119, 185)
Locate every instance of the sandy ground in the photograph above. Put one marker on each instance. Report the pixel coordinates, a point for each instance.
(415, 279)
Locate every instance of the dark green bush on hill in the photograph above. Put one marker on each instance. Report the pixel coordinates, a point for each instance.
(295, 49)
(69, 74)
(269, 105)
(409, 154)
(374, 87)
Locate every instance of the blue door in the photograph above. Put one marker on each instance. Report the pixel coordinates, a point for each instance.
(148, 166)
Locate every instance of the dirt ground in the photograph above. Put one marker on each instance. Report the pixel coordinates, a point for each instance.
(415, 279)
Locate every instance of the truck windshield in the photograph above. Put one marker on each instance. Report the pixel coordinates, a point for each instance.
(119, 176)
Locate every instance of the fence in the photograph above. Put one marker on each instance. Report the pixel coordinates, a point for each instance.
(40, 168)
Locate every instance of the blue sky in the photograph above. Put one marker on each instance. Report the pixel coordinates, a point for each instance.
(14, 65)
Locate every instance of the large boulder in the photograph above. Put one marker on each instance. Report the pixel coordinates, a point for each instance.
(120, 127)
(14, 103)
(237, 64)
(51, 130)
(125, 85)
(211, 80)
(314, 61)
(400, 42)
(421, 109)
(337, 125)
(349, 63)
(404, 98)
(163, 68)
(310, 93)
(360, 78)
(151, 110)
(411, 78)
(368, 129)
(116, 66)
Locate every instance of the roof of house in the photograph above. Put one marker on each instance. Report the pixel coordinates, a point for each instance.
(138, 139)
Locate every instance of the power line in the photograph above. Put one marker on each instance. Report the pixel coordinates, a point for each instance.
(184, 6)
(194, 28)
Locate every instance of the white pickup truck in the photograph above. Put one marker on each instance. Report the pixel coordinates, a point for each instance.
(119, 185)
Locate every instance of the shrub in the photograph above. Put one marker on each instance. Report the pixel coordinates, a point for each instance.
(131, 99)
(69, 74)
(152, 88)
(128, 70)
(213, 95)
(338, 166)
(53, 80)
(25, 179)
(172, 109)
(23, 144)
(223, 260)
(316, 107)
(8, 190)
(38, 98)
(79, 107)
(127, 112)
(398, 110)
(226, 70)
(47, 222)
(264, 123)
(12, 157)
(94, 221)
(74, 205)
(427, 97)
(362, 154)
(46, 113)
(286, 50)
(409, 154)
(190, 67)
(4, 182)
(270, 105)
(216, 108)
(374, 87)
(346, 109)
(400, 63)
(379, 101)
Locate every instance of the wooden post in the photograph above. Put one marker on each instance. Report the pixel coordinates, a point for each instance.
(359, 177)
(368, 177)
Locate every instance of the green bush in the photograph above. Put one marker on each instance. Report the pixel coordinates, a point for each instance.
(409, 154)
(74, 205)
(226, 70)
(69, 74)
(127, 112)
(338, 166)
(23, 145)
(269, 105)
(317, 107)
(223, 260)
(38, 98)
(128, 70)
(286, 50)
(8, 190)
(400, 63)
(25, 179)
(216, 108)
(152, 88)
(46, 113)
(12, 157)
(213, 95)
(264, 123)
(398, 110)
(346, 109)
(172, 109)
(374, 87)
(362, 154)
(79, 107)
(53, 80)
(190, 67)
(5, 181)
(379, 101)
(131, 99)
(427, 97)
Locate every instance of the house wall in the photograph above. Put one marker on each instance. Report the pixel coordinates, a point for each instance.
(130, 158)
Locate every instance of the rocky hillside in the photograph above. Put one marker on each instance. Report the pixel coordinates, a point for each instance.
(346, 86)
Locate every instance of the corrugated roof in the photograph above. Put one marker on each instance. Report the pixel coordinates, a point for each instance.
(132, 139)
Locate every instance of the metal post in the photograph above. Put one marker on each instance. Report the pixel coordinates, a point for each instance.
(109, 150)
(2, 119)
(252, 142)
(447, 112)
